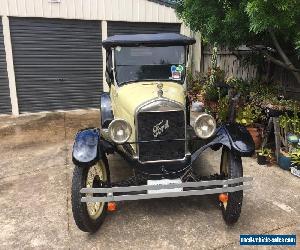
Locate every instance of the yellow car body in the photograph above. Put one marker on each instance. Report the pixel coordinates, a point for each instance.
(126, 99)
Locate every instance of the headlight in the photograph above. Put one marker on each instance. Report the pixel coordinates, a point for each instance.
(119, 131)
(205, 126)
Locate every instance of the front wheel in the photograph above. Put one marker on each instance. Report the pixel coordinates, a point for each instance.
(89, 216)
(231, 167)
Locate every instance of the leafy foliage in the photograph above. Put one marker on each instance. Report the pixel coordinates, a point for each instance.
(200, 84)
(241, 86)
(265, 152)
(237, 22)
(195, 83)
(248, 115)
(270, 27)
(223, 109)
(295, 157)
(290, 123)
(216, 20)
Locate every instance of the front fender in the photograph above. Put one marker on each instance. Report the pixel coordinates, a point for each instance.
(237, 137)
(232, 135)
(86, 148)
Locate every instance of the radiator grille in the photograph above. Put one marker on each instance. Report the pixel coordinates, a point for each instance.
(161, 126)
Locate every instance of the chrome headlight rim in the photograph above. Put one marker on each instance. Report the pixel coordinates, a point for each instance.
(214, 125)
(110, 133)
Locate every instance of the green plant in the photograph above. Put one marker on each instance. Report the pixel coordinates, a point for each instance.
(263, 94)
(272, 101)
(214, 65)
(248, 115)
(214, 75)
(223, 109)
(205, 85)
(265, 152)
(195, 82)
(295, 157)
(284, 121)
(209, 89)
(290, 124)
(210, 92)
(241, 86)
(219, 75)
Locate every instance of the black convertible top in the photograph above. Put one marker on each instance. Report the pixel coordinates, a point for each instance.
(161, 39)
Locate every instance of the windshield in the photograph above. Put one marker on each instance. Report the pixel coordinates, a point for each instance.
(149, 63)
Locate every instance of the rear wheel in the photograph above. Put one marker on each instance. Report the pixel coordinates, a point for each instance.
(231, 167)
(89, 216)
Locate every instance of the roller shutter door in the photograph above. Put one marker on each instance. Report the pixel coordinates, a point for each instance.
(119, 28)
(58, 63)
(5, 104)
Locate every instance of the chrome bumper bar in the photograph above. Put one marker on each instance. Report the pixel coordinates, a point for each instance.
(194, 188)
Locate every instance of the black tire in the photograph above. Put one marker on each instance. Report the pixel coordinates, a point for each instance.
(80, 209)
(232, 211)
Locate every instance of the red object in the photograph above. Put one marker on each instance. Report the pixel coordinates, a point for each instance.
(112, 206)
(223, 197)
(256, 136)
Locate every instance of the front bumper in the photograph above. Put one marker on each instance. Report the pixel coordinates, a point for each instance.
(189, 189)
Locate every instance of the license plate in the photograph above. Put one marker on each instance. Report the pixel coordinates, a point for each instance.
(164, 182)
(295, 171)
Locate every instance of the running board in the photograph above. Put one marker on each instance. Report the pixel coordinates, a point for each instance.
(108, 193)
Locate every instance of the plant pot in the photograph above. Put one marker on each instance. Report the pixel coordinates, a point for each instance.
(262, 160)
(256, 136)
(284, 162)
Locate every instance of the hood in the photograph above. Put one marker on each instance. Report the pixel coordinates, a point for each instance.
(129, 97)
(133, 95)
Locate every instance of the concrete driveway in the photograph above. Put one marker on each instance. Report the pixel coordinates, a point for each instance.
(35, 178)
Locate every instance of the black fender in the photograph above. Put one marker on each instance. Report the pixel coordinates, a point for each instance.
(89, 147)
(232, 135)
(106, 110)
(86, 148)
(236, 137)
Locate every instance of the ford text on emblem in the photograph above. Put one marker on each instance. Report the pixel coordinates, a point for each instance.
(160, 89)
(160, 127)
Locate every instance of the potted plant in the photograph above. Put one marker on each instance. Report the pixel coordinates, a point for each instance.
(295, 159)
(264, 156)
(249, 116)
(284, 159)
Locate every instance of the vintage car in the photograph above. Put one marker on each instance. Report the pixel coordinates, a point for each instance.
(145, 117)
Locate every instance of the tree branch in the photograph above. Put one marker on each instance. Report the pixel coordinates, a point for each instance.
(280, 63)
(273, 59)
(284, 57)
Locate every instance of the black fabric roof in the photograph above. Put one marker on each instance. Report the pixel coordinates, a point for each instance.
(161, 39)
(168, 3)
